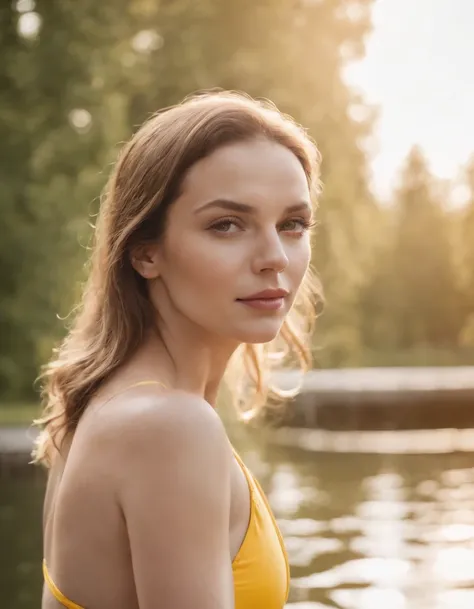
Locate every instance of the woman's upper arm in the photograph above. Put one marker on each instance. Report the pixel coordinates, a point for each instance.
(174, 490)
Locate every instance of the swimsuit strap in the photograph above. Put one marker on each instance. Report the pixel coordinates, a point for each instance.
(254, 483)
(137, 384)
(56, 592)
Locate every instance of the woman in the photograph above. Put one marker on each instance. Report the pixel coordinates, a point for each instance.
(201, 255)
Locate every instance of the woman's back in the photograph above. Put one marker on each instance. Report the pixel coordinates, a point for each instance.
(87, 544)
(86, 550)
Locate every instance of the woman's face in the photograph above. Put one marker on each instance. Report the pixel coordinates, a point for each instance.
(236, 245)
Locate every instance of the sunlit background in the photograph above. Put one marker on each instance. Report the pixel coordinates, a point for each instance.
(417, 70)
(370, 475)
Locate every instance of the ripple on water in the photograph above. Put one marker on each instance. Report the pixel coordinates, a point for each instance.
(455, 477)
(460, 599)
(302, 551)
(369, 598)
(301, 526)
(345, 524)
(305, 605)
(427, 488)
(287, 493)
(382, 571)
(391, 533)
(450, 533)
(454, 566)
(382, 510)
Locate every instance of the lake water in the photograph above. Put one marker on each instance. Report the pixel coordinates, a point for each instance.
(362, 531)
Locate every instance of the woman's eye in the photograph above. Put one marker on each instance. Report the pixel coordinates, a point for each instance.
(225, 226)
(295, 225)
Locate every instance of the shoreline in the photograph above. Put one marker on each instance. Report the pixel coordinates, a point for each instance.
(351, 410)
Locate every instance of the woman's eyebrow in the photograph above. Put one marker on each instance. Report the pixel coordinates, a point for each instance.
(248, 209)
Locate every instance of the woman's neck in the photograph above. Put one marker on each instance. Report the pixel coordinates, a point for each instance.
(186, 362)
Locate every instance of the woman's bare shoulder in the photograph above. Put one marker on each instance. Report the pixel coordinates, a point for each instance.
(170, 466)
(152, 427)
(163, 461)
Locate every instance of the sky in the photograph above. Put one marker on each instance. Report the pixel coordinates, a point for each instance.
(419, 72)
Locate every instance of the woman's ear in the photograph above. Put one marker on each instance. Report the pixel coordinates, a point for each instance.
(145, 259)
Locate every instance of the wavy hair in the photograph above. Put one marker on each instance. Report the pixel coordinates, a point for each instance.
(115, 313)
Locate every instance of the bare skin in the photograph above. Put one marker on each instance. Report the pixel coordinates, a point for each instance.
(147, 507)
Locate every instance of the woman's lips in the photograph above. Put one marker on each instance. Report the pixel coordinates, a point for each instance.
(271, 299)
(264, 304)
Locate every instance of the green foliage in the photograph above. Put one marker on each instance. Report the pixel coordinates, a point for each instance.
(414, 299)
(467, 239)
(424, 279)
(76, 86)
(14, 414)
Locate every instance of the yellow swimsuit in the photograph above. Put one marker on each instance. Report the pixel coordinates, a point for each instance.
(260, 569)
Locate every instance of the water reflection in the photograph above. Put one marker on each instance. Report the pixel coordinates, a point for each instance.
(371, 531)
(20, 539)
(363, 531)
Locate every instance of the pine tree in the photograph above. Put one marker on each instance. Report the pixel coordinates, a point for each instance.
(427, 300)
(467, 238)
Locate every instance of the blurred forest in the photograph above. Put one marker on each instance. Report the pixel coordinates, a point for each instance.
(76, 78)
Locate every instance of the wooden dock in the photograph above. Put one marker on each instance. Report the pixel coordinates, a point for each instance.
(382, 399)
(333, 403)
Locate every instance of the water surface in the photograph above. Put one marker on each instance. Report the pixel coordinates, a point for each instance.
(363, 531)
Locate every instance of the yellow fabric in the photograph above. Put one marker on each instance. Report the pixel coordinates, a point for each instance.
(58, 595)
(260, 570)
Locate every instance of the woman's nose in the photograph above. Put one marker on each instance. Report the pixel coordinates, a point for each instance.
(270, 255)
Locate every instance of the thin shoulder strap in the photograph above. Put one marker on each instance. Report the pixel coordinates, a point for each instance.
(255, 484)
(245, 470)
(56, 592)
(140, 383)
(137, 384)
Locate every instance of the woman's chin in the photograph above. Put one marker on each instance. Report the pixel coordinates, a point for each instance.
(263, 333)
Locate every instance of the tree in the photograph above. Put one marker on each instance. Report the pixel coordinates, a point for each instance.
(85, 75)
(426, 309)
(467, 261)
(48, 176)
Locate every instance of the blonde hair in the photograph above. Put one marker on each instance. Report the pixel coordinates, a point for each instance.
(115, 313)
